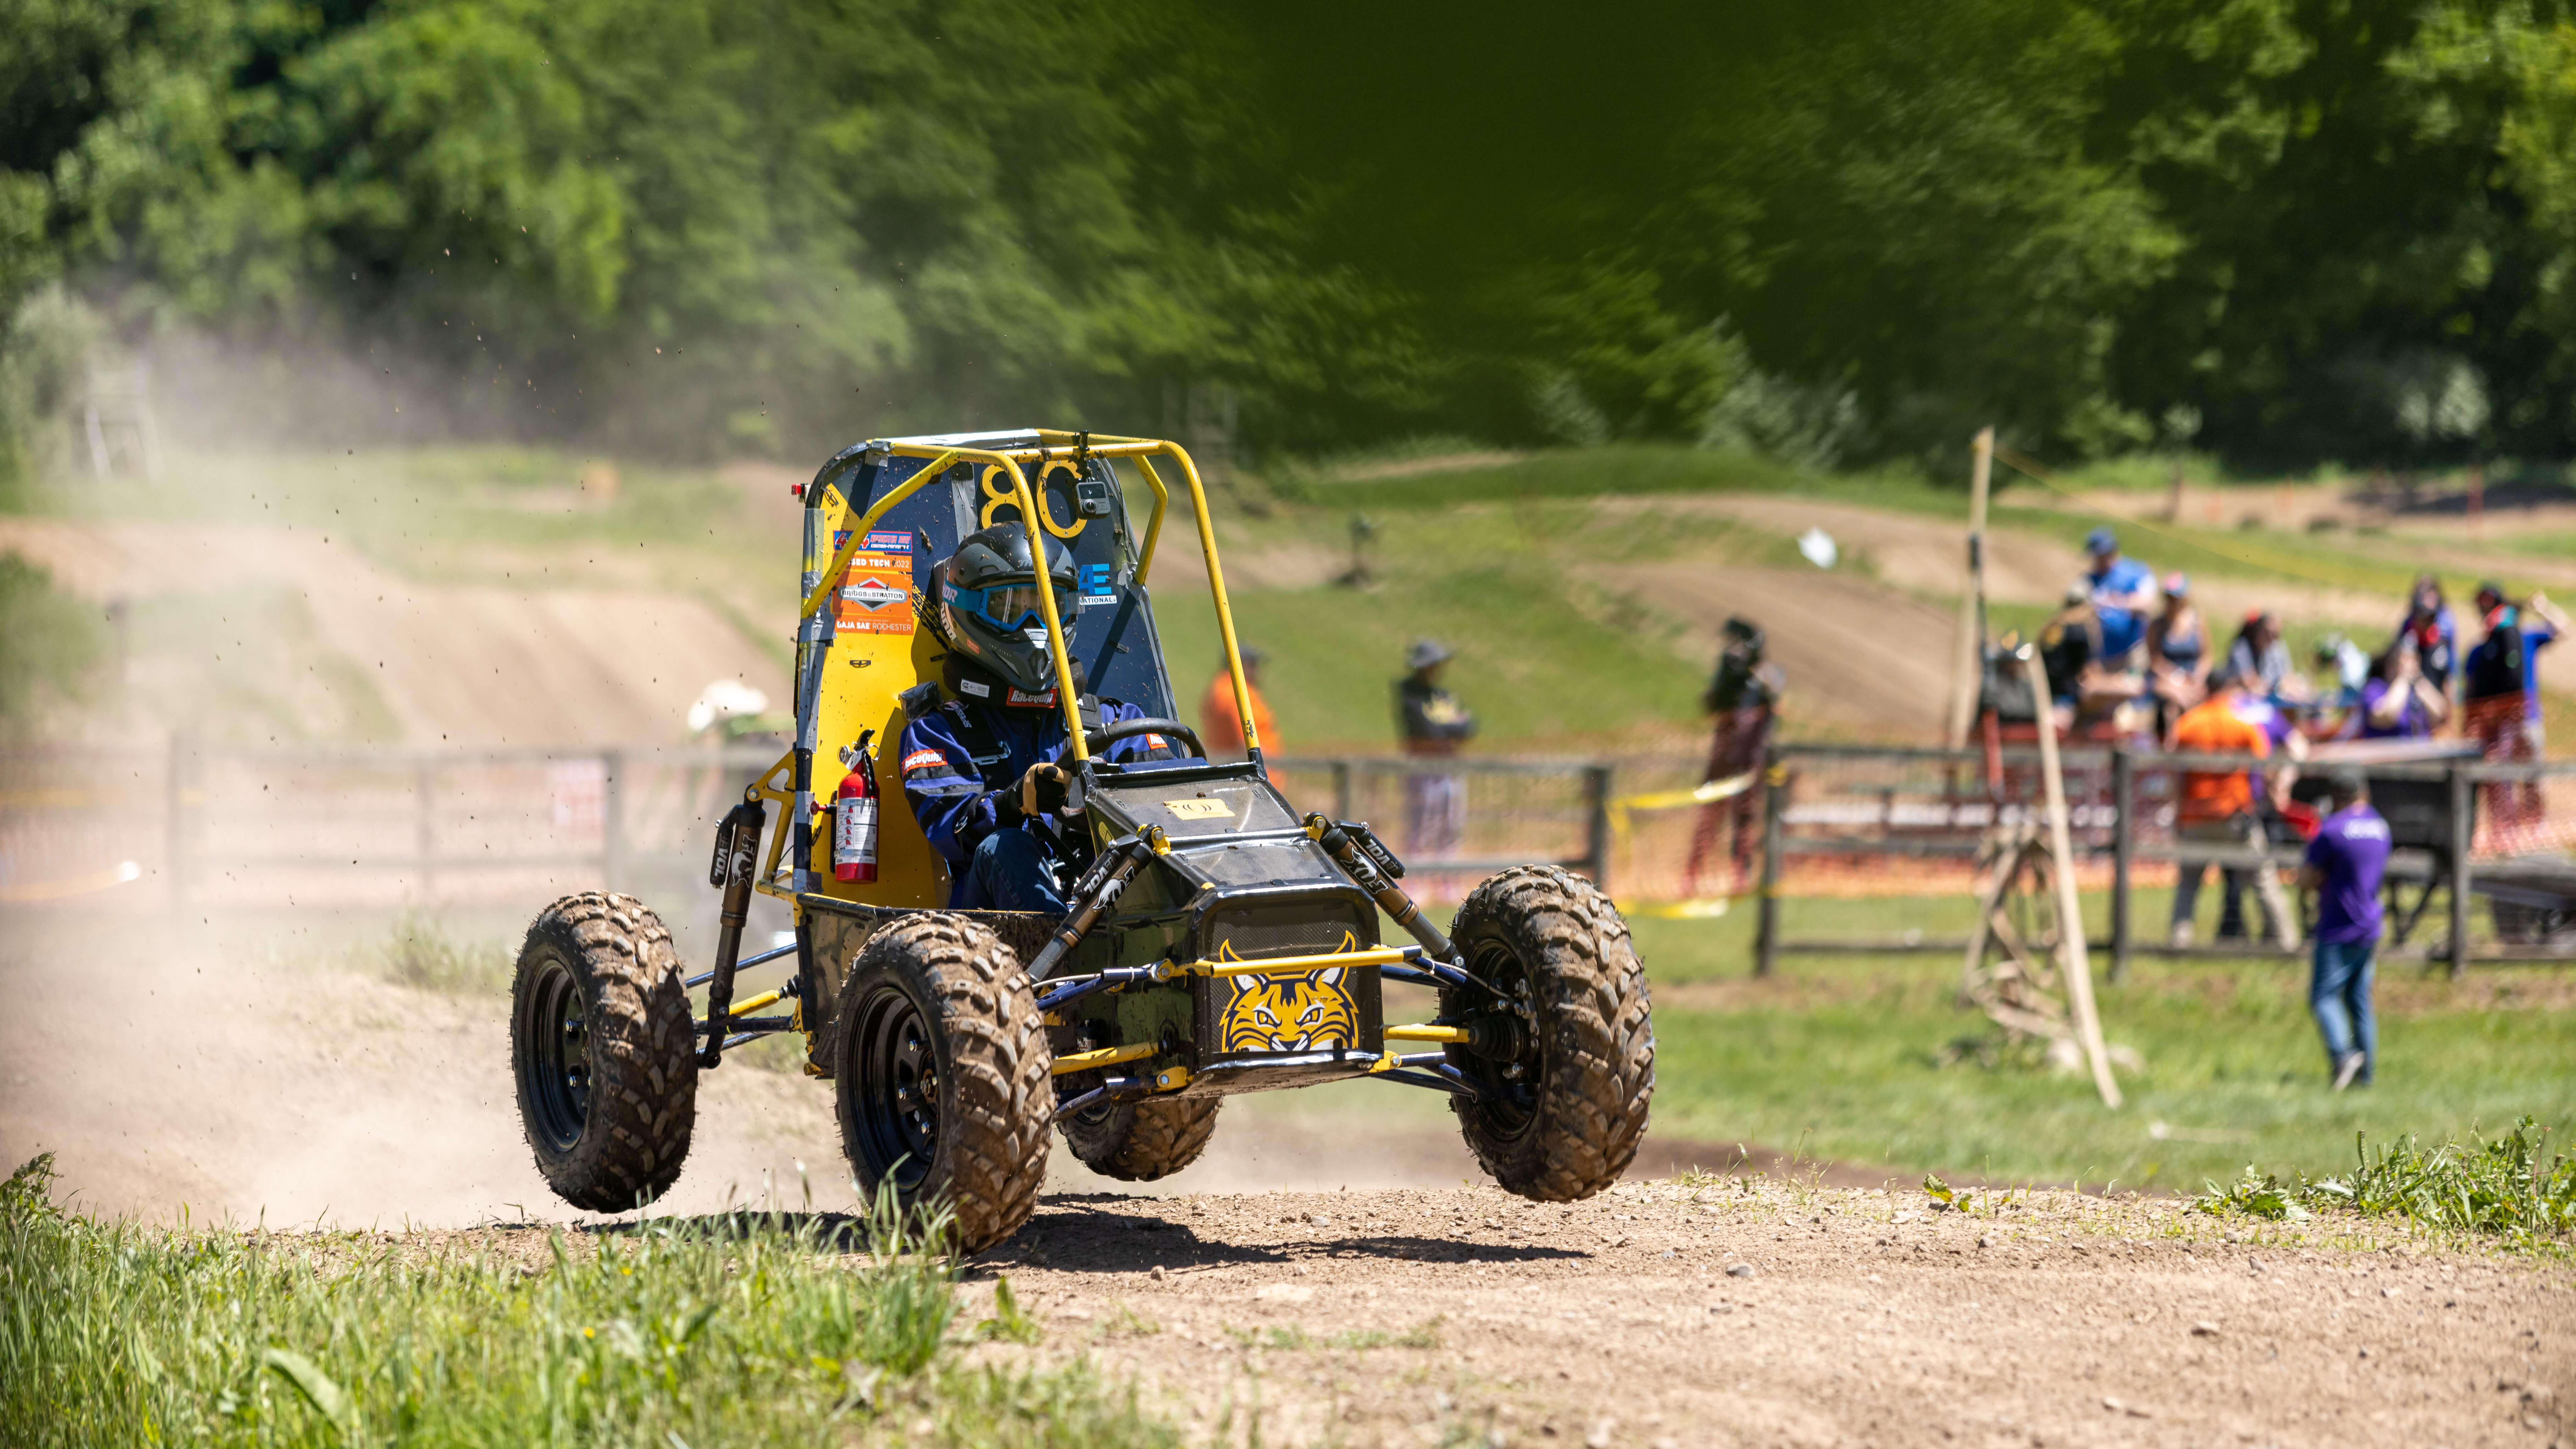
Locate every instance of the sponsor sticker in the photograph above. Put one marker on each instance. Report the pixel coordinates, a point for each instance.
(922, 759)
(1096, 586)
(875, 595)
(1199, 809)
(1021, 696)
(896, 540)
(1155, 742)
(975, 688)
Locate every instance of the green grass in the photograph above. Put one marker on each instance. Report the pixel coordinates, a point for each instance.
(1873, 1061)
(741, 1331)
(1620, 468)
(2500, 1187)
(1545, 651)
(50, 644)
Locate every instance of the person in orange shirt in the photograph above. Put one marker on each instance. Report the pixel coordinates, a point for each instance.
(2218, 806)
(1220, 728)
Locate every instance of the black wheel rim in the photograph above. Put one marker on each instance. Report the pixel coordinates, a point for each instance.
(558, 1085)
(896, 1096)
(1510, 1102)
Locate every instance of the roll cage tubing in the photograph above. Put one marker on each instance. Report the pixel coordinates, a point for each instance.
(1052, 446)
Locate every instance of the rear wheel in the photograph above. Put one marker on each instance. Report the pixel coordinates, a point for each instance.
(1142, 1141)
(1566, 1065)
(603, 1050)
(941, 1078)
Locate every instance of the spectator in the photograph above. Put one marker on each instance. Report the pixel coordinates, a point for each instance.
(2343, 867)
(2436, 634)
(2068, 645)
(2178, 655)
(2123, 591)
(2218, 806)
(2335, 704)
(2259, 659)
(1220, 727)
(2398, 702)
(1434, 723)
(1744, 696)
(2501, 711)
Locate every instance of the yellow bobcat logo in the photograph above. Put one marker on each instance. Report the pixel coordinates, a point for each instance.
(1308, 1011)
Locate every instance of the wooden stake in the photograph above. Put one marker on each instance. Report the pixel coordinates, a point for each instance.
(1967, 674)
(2073, 964)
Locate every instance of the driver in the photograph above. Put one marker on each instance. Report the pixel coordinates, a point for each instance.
(981, 743)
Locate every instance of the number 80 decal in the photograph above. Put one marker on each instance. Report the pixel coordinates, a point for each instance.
(998, 495)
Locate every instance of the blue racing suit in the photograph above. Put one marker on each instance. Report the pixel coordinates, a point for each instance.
(961, 764)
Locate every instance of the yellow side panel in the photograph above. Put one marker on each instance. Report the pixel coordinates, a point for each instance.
(880, 649)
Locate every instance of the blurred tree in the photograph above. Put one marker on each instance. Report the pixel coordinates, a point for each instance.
(1854, 229)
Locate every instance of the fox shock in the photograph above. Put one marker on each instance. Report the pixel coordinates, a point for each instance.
(737, 849)
(1344, 843)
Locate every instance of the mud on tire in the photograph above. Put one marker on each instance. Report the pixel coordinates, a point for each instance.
(942, 1078)
(1566, 1098)
(1142, 1141)
(603, 1051)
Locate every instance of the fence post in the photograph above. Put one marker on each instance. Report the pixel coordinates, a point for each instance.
(2124, 800)
(1596, 824)
(2463, 834)
(175, 819)
(1766, 930)
(1342, 790)
(612, 823)
(424, 830)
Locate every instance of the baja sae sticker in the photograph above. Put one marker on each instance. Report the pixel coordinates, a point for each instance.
(1301, 1012)
(1199, 809)
(875, 596)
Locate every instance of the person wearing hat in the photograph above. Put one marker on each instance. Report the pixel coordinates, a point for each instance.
(2343, 866)
(1220, 726)
(2178, 654)
(2123, 591)
(1433, 723)
(1744, 696)
(2501, 696)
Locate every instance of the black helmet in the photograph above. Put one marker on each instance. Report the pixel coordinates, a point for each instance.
(988, 604)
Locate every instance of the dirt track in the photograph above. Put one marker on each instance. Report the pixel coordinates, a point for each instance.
(1413, 1317)
(1403, 1308)
(455, 664)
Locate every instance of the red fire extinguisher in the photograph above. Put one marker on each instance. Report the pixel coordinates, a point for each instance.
(854, 815)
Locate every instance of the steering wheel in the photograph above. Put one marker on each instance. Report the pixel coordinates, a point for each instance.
(1100, 739)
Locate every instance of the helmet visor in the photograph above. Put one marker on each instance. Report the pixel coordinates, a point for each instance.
(1014, 605)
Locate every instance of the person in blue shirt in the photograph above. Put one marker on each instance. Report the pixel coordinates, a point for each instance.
(982, 744)
(2343, 866)
(2124, 592)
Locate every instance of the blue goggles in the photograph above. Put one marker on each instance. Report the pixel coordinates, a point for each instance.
(1010, 606)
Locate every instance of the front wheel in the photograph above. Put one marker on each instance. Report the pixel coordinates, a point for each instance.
(604, 1051)
(943, 1081)
(1565, 1065)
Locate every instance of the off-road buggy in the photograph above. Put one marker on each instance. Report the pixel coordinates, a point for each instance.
(1216, 941)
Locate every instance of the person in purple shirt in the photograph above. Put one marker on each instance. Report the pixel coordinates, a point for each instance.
(2343, 867)
(2399, 703)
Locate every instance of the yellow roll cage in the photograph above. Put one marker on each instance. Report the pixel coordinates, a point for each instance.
(1052, 445)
